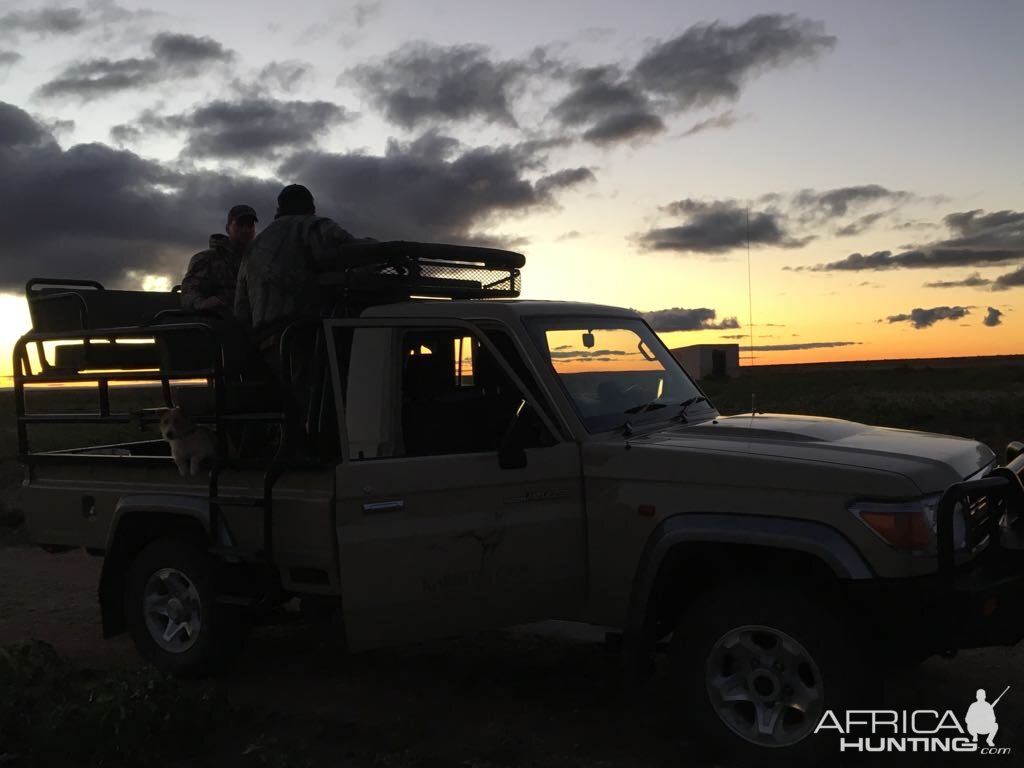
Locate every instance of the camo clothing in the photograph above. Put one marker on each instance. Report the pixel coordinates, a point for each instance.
(213, 272)
(275, 280)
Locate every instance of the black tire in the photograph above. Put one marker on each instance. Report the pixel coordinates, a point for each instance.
(221, 631)
(713, 640)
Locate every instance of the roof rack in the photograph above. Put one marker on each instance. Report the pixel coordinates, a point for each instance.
(397, 270)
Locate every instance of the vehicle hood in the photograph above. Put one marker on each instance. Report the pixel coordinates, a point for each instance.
(931, 461)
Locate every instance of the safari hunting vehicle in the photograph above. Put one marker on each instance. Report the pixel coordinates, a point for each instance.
(466, 460)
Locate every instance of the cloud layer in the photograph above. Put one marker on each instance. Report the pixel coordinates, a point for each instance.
(977, 239)
(94, 211)
(926, 318)
(174, 56)
(783, 221)
(679, 319)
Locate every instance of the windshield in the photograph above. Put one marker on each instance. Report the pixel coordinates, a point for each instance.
(615, 370)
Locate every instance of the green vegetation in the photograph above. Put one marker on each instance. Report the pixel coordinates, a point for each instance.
(985, 403)
(53, 713)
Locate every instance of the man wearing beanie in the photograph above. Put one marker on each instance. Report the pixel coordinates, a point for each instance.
(212, 275)
(276, 287)
(275, 282)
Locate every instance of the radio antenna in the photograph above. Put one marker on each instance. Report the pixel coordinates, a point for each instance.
(750, 290)
(750, 312)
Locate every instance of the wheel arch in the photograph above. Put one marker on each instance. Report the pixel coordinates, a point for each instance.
(138, 521)
(688, 553)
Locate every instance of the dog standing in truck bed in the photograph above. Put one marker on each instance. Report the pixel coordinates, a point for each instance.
(190, 445)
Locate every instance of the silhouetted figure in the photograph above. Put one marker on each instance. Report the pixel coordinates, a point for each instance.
(212, 275)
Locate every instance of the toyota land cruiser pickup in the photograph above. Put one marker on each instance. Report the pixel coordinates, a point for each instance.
(472, 461)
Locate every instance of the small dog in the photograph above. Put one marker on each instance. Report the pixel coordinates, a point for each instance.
(190, 445)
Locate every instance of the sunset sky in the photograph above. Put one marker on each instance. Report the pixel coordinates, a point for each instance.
(875, 147)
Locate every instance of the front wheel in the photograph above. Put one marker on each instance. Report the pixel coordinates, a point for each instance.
(172, 614)
(757, 668)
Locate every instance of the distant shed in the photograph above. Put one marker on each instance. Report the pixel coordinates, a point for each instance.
(704, 360)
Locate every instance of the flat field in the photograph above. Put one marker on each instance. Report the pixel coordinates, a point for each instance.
(544, 695)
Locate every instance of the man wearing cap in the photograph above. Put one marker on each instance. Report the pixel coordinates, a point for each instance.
(212, 274)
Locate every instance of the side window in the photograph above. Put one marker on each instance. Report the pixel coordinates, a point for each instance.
(456, 398)
(444, 393)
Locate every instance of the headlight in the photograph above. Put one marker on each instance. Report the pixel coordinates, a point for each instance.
(909, 525)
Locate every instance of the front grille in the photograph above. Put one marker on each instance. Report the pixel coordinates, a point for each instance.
(980, 512)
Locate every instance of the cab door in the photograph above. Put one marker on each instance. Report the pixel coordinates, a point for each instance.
(438, 530)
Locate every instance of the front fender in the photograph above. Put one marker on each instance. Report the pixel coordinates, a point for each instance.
(818, 540)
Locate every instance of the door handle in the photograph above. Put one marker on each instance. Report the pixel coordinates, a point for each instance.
(384, 506)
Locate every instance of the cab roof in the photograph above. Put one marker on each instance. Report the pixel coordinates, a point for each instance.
(505, 310)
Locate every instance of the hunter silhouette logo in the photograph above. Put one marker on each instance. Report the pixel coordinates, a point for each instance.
(981, 717)
(919, 730)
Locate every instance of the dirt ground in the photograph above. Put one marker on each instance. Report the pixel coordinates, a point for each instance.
(544, 695)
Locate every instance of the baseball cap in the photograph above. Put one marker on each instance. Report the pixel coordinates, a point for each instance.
(240, 211)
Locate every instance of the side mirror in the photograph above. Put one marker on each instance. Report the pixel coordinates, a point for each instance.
(511, 454)
(1013, 450)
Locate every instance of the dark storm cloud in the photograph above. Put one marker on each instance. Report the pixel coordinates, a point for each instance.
(976, 229)
(613, 106)
(422, 83)
(252, 127)
(285, 75)
(709, 63)
(598, 93)
(174, 56)
(925, 318)
(607, 103)
(19, 130)
(717, 227)
(834, 203)
(725, 120)
(186, 54)
(117, 211)
(9, 58)
(979, 239)
(100, 77)
(44, 21)
(937, 257)
(972, 281)
(564, 179)
(860, 225)
(54, 21)
(993, 318)
(624, 127)
(432, 188)
(679, 319)
(806, 345)
(1009, 280)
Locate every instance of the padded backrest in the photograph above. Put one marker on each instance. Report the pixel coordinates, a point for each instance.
(71, 309)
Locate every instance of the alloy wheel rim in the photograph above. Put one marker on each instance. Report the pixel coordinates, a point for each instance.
(764, 685)
(172, 610)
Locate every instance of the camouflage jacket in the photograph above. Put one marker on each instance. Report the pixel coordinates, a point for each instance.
(213, 272)
(275, 282)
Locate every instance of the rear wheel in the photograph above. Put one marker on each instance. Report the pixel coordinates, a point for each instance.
(172, 614)
(757, 668)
